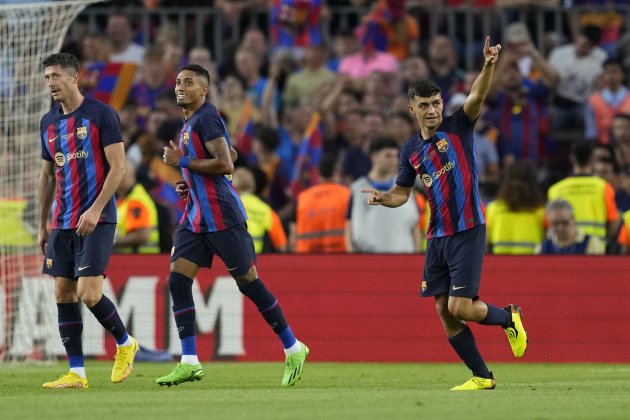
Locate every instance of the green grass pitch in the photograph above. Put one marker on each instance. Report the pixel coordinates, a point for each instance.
(327, 391)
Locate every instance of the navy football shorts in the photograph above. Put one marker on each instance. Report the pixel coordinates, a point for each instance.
(233, 245)
(452, 264)
(71, 256)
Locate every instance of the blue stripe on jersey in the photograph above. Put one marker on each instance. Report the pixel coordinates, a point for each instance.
(67, 173)
(456, 183)
(200, 188)
(89, 167)
(81, 169)
(437, 195)
(235, 195)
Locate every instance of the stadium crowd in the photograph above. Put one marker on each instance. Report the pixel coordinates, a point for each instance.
(314, 123)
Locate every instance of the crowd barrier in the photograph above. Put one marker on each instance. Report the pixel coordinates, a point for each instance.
(347, 308)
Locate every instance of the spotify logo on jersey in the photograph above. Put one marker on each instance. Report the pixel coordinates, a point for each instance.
(61, 159)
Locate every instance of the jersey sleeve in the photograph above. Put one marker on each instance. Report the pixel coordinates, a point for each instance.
(110, 127)
(210, 127)
(45, 152)
(463, 123)
(406, 173)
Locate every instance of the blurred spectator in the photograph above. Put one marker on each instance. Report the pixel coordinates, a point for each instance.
(577, 66)
(264, 144)
(130, 131)
(400, 30)
(621, 140)
(606, 167)
(400, 126)
(154, 81)
(344, 44)
(304, 83)
(356, 162)
(296, 118)
(295, 24)
(120, 35)
(592, 198)
(95, 48)
(248, 68)
(564, 237)
(376, 92)
(262, 222)
(443, 66)
(168, 38)
(320, 216)
(412, 69)
(624, 234)
(377, 229)
(531, 64)
(515, 221)
(137, 228)
(203, 57)
(360, 65)
(519, 112)
(603, 105)
(232, 104)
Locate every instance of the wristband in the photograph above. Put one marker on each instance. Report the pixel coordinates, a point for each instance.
(183, 162)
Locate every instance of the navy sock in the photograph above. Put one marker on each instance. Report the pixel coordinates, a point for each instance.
(466, 348)
(70, 330)
(106, 313)
(497, 316)
(184, 311)
(270, 310)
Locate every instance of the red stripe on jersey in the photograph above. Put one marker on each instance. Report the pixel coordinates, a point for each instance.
(208, 182)
(53, 151)
(74, 173)
(99, 160)
(465, 169)
(446, 192)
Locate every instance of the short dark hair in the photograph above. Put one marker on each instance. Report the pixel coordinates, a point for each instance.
(592, 33)
(582, 151)
(66, 61)
(268, 136)
(327, 165)
(198, 69)
(382, 142)
(612, 62)
(424, 88)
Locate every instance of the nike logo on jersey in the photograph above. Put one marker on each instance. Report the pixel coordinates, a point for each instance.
(84, 267)
(458, 287)
(232, 269)
(53, 139)
(416, 167)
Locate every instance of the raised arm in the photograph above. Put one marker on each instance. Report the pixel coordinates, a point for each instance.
(481, 86)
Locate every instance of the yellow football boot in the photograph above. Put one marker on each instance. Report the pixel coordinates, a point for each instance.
(476, 384)
(515, 332)
(69, 380)
(123, 361)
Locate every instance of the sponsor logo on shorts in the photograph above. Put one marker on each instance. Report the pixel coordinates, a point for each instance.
(49, 263)
(458, 287)
(424, 286)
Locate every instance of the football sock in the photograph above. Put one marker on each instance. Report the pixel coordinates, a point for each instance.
(497, 316)
(184, 312)
(70, 330)
(106, 313)
(270, 310)
(466, 348)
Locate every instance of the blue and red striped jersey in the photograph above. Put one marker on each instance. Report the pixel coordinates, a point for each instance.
(76, 143)
(446, 164)
(213, 203)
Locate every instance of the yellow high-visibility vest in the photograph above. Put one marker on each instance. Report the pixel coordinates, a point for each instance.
(138, 193)
(587, 196)
(514, 232)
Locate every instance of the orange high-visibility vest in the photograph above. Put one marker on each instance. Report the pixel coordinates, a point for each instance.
(321, 219)
(604, 113)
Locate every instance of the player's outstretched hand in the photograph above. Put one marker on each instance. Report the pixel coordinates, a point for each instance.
(375, 197)
(172, 154)
(181, 189)
(491, 54)
(42, 239)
